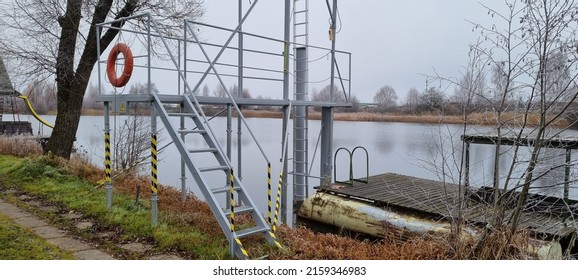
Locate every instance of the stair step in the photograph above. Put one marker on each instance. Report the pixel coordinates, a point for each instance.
(213, 168)
(224, 189)
(188, 131)
(182, 115)
(251, 231)
(205, 150)
(239, 210)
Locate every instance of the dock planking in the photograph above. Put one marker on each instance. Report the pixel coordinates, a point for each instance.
(440, 200)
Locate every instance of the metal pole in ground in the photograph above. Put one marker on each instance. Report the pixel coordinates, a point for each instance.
(229, 145)
(154, 171)
(300, 128)
(327, 112)
(287, 34)
(108, 178)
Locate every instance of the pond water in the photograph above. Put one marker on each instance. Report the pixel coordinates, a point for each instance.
(431, 151)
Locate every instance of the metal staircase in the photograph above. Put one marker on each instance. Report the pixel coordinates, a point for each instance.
(196, 164)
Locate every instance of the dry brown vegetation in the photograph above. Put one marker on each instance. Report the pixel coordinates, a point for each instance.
(301, 243)
(486, 118)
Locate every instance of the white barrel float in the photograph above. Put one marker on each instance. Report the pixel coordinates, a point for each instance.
(358, 216)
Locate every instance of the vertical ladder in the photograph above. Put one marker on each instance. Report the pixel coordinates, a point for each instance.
(300, 123)
(196, 164)
(301, 23)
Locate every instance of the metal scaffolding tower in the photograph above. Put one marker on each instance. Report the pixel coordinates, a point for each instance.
(177, 111)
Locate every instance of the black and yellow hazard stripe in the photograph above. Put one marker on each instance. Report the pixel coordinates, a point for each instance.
(232, 194)
(277, 202)
(243, 251)
(269, 199)
(107, 157)
(154, 163)
(272, 235)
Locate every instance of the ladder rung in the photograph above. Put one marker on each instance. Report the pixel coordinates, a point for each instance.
(251, 231)
(239, 210)
(301, 11)
(301, 35)
(300, 23)
(187, 131)
(224, 189)
(213, 168)
(205, 150)
(182, 115)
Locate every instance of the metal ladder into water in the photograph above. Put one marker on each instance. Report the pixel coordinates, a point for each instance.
(194, 163)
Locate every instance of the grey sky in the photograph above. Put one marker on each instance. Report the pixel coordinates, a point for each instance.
(392, 42)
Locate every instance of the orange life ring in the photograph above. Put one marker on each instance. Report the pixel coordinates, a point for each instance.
(111, 65)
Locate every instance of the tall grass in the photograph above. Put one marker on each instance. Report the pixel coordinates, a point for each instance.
(20, 146)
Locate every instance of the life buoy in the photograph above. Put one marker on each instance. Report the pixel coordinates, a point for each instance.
(111, 65)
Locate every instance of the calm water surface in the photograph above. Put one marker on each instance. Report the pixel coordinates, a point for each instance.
(420, 150)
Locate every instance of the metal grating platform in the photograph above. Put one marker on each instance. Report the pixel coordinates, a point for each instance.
(434, 198)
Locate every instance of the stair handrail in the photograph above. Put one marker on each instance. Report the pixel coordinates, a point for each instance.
(233, 102)
(194, 100)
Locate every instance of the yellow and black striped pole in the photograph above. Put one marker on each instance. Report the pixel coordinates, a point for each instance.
(237, 241)
(277, 202)
(107, 177)
(107, 157)
(107, 168)
(232, 198)
(154, 179)
(269, 198)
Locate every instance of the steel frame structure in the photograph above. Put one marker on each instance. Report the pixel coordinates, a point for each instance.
(186, 95)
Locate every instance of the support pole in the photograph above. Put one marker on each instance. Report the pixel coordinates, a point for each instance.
(229, 144)
(327, 112)
(183, 167)
(154, 172)
(286, 38)
(326, 154)
(108, 178)
(300, 135)
(240, 91)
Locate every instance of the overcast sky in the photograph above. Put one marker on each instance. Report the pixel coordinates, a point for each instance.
(392, 42)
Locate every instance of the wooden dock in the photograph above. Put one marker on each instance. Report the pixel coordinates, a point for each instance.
(542, 214)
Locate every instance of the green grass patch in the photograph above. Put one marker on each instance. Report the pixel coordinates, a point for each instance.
(42, 177)
(21, 244)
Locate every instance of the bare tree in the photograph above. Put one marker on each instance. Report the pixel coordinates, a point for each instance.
(220, 91)
(412, 100)
(42, 96)
(58, 38)
(432, 100)
(205, 91)
(532, 60)
(325, 94)
(386, 98)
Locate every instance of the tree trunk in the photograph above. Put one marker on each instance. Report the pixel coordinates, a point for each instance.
(72, 85)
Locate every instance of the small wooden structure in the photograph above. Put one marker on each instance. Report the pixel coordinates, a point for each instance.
(6, 91)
